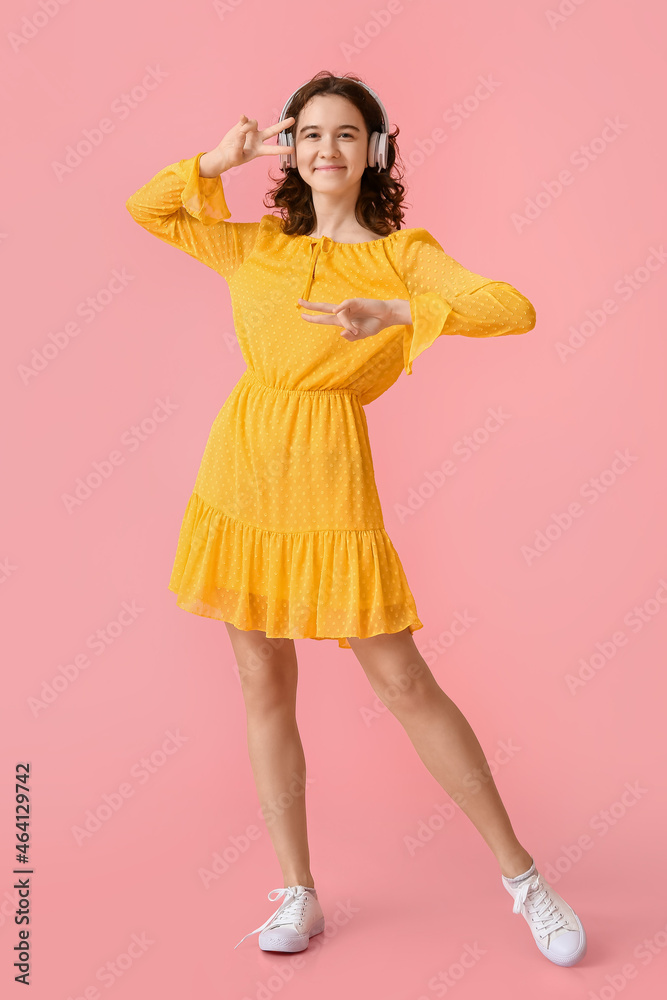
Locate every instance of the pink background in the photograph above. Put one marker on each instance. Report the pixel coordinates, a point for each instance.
(396, 917)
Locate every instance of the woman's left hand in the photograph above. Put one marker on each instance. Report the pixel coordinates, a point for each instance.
(359, 317)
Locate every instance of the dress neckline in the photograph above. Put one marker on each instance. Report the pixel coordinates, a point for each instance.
(361, 243)
(356, 243)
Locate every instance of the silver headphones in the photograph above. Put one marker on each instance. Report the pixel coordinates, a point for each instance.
(378, 142)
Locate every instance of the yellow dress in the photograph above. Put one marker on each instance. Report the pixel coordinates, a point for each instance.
(284, 531)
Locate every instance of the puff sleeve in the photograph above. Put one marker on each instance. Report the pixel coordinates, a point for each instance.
(189, 212)
(446, 298)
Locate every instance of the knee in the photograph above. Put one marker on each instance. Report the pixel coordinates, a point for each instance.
(405, 688)
(267, 670)
(268, 688)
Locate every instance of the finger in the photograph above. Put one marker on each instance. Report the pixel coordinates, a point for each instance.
(352, 334)
(321, 306)
(349, 327)
(278, 127)
(345, 314)
(276, 148)
(268, 133)
(346, 321)
(346, 307)
(333, 320)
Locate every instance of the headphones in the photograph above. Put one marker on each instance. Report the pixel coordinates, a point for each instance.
(378, 142)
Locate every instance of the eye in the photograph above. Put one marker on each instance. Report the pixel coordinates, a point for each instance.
(340, 133)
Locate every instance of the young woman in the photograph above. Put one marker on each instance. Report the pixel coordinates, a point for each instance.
(283, 535)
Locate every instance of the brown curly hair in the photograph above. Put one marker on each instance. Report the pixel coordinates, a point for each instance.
(380, 203)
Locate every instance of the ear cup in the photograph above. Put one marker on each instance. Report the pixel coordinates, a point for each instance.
(378, 150)
(372, 159)
(285, 161)
(383, 150)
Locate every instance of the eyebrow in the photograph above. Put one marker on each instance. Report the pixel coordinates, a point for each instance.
(306, 127)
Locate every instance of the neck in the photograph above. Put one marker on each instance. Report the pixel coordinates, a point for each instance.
(334, 214)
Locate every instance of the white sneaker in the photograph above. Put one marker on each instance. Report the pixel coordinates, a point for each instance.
(557, 930)
(298, 918)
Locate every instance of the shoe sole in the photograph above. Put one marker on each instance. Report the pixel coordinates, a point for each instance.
(272, 941)
(571, 959)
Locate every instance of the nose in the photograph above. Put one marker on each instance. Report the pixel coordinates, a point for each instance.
(328, 147)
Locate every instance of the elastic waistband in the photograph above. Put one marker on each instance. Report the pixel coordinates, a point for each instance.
(250, 374)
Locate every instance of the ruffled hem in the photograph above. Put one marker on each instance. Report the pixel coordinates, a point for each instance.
(429, 312)
(203, 197)
(299, 585)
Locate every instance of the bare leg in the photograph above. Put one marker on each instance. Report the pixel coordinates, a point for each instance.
(442, 737)
(268, 671)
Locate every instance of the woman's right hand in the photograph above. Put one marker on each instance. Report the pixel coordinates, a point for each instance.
(243, 142)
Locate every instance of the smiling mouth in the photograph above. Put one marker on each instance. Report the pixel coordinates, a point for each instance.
(329, 168)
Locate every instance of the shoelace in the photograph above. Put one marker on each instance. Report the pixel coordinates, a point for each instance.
(534, 901)
(290, 910)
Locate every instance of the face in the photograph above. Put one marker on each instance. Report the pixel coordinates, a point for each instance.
(330, 132)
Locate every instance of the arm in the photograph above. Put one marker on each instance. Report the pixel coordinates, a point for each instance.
(446, 298)
(188, 210)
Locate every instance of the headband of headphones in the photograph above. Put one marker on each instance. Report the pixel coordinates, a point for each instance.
(378, 142)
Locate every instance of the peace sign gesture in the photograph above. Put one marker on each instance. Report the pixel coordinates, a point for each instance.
(244, 142)
(359, 318)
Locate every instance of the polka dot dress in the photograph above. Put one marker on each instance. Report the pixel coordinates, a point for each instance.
(284, 531)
